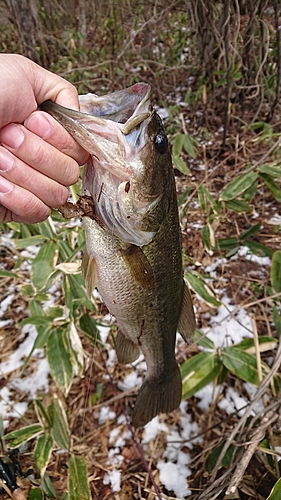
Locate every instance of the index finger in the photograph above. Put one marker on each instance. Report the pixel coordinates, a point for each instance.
(51, 131)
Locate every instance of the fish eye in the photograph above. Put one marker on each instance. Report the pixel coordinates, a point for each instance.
(161, 143)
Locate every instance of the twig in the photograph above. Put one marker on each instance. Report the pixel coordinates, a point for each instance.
(261, 160)
(258, 435)
(259, 394)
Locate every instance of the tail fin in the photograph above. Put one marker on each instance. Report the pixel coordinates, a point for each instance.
(157, 396)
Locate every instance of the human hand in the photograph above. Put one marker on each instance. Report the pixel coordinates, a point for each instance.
(38, 158)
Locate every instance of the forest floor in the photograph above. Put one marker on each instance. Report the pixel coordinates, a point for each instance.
(175, 447)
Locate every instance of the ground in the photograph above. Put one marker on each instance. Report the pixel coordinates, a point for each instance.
(171, 457)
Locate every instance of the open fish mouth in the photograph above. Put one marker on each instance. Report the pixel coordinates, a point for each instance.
(114, 130)
(116, 118)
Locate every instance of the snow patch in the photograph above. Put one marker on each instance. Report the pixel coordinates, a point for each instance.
(113, 478)
(173, 477)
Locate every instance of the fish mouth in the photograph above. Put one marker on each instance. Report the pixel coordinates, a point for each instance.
(116, 118)
(114, 130)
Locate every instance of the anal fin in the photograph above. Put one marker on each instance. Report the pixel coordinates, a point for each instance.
(126, 351)
(88, 268)
(186, 324)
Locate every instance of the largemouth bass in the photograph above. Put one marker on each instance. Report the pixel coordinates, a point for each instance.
(133, 240)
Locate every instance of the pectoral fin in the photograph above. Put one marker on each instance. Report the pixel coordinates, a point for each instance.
(186, 324)
(88, 268)
(139, 266)
(126, 351)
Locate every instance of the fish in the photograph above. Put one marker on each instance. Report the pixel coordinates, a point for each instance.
(133, 239)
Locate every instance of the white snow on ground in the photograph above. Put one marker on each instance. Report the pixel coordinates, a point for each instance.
(174, 471)
(17, 358)
(246, 252)
(232, 402)
(173, 477)
(6, 302)
(226, 329)
(131, 380)
(113, 478)
(30, 385)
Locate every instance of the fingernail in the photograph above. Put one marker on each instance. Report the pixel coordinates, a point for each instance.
(38, 124)
(6, 160)
(5, 186)
(12, 136)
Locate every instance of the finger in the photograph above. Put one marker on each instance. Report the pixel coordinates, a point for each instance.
(45, 85)
(37, 153)
(46, 189)
(52, 132)
(20, 204)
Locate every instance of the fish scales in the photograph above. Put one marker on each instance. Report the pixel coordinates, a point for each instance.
(133, 246)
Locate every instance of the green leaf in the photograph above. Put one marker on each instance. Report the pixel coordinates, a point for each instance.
(214, 455)
(24, 434)
(89, 326)
(189, 146)
(46, 228)
(38, 239)
(277, 319)
(275, 271)
(76, 350)
(258, 248)
(180, 165)
(198, 286)
(59, 358)
(266, 343)
(40, 341)
(199, 371)
(205, 233)
(249, 194)
(36, 494)
(238, 186)
(202, 198)
(78, 480)
(251, 231)
(35, 320)
(48, 487)
(57, 313)
(272, 186)
(275, 493)
(74, 287)
(242, 364)
(8, 274)
(36, 308)
(43, 265)
(182, 198)
(59, 429)
(42, 414)
(178, 144)
(204, 342)
(27, 290)
(270, 170)
(227, 243)
(42, 452)
(238, 206)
